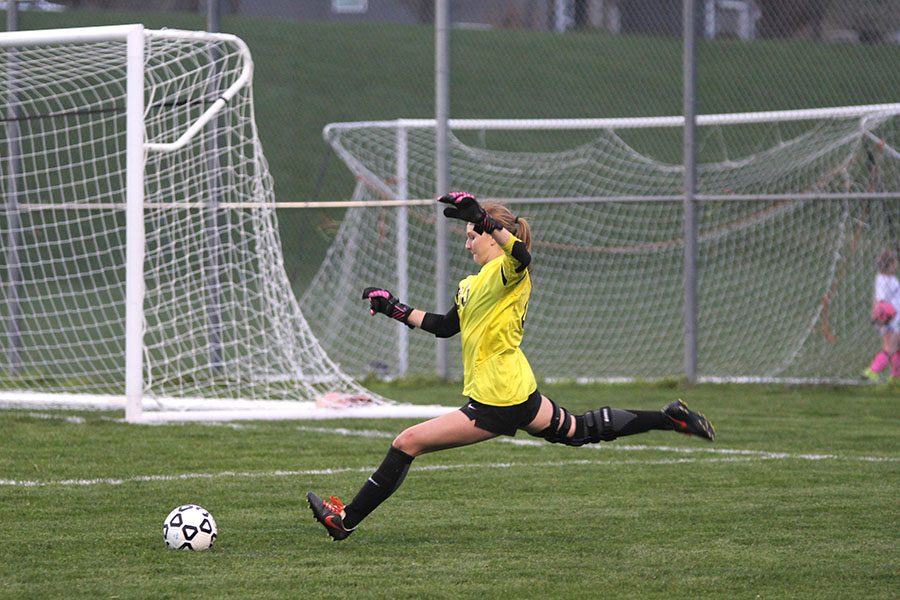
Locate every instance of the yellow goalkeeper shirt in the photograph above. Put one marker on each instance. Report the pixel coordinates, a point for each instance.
(492, 306)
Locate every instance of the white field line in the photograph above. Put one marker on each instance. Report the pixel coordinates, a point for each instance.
(628, 447)
(364, 470)
(730, 455)
(727, 451)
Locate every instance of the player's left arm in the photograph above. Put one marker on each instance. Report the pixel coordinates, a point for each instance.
(517, 249)
(464, 206)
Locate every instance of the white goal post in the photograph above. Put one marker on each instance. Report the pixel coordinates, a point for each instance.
(141, 261)
(793, 206)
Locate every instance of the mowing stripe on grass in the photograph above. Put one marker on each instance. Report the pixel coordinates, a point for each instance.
(737, 456)
(728, 451)
(314, 472)
(373, 433)
(729, 455)
(368, 433)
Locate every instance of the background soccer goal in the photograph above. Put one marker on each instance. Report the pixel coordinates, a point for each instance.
(793, 208)
(141, 254)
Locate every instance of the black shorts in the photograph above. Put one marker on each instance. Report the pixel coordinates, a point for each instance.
(503, 420)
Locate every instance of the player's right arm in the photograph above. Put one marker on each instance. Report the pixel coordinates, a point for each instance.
(384, 302)
(442, 326)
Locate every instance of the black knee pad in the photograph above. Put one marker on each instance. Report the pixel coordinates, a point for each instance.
(606, 424)
(609, 423)
(594, 426)
(557, 431)
(591, 427)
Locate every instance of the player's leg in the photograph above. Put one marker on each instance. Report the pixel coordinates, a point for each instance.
(556, 424)
(447, 431)
(893, 345)
(878, 364)
(881, 360)
(884, 358)
(451, 430)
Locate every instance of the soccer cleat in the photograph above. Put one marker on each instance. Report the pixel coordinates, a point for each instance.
(689, 422)
(872, 375)
(328, 513)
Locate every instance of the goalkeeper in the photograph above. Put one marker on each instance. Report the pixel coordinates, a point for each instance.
(885, 309)
(489, 312)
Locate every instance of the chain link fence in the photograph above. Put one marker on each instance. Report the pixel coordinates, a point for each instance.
(360, 60)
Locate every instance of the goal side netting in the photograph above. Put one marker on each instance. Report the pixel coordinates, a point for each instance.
(792, 209)
(218, 328)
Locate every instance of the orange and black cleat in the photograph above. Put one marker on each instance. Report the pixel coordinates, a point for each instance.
(328, 513)
(688, 422)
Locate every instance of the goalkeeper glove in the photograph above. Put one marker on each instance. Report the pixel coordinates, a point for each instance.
(382, 301)
(465, 207)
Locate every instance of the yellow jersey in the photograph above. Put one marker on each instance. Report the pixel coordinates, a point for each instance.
(492, 305)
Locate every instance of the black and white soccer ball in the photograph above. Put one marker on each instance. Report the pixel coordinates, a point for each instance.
(190, 527)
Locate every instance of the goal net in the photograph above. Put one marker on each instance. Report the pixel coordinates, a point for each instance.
(141, 253)
(792, 208)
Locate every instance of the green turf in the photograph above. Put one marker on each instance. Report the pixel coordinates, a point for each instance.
(493, 520)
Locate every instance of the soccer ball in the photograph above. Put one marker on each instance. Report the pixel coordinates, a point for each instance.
(883, 313)
(189, 527)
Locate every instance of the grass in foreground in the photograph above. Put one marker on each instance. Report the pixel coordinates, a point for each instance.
(796, 499)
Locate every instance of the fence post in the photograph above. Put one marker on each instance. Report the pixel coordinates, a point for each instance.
(402, 246)
(442, 174)
(13, 241)
(690, 189)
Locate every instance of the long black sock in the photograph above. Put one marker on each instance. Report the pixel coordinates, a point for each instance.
(630, 422)
(383, 482)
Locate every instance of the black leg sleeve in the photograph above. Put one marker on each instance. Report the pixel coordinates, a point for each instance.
(378, 488)
(630, 422)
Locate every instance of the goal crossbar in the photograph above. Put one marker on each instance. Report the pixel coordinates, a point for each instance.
(842, 112)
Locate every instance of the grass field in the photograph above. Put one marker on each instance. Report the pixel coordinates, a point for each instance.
(797, 499)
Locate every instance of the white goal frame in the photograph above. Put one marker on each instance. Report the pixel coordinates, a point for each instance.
(133, 35)
(392, 186)
(136, 38)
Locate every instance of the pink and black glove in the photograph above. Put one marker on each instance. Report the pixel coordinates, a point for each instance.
(382, 301)
(465, 207)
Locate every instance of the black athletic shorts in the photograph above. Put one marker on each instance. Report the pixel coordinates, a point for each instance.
(503, 420)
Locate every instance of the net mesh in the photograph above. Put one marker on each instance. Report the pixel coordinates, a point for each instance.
(220, 318)
(784, 276)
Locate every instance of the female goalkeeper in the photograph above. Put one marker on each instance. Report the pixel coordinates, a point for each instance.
(489, 312)
(886, 316)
